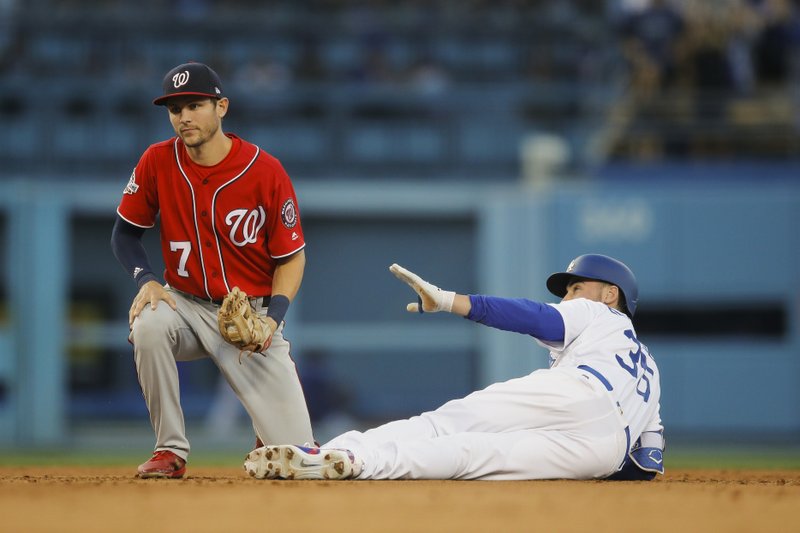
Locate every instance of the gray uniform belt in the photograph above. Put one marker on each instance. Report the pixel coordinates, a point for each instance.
(255, 301)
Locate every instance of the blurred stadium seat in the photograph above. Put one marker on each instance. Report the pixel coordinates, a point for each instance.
(282, 56)
(368, 105)
(490, 74)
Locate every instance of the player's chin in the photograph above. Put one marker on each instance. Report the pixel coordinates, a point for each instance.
(191, 138)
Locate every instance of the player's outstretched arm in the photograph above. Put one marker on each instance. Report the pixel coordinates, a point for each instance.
(430, 298)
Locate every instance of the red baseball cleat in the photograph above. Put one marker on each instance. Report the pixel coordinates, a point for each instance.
(164, 464)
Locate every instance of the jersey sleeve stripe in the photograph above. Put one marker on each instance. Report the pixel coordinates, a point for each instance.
(290, 253)
(133, 223)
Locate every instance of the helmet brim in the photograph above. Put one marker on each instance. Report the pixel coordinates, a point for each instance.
(163, 100)
(557, 283)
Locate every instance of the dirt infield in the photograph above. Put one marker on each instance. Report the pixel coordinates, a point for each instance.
(217, 499)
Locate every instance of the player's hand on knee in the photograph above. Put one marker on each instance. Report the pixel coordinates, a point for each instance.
(151, 293)
(431, 298)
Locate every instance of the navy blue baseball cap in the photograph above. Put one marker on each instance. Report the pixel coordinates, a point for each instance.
(190, 79)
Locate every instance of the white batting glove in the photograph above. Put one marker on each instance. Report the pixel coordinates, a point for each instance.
(432, 299)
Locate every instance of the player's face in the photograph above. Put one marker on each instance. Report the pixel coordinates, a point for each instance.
(196, 120)
(596, 291)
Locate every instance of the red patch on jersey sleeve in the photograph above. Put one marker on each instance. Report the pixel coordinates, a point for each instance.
(289, 214)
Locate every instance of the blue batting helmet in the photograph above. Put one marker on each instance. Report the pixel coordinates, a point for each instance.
(600, 268)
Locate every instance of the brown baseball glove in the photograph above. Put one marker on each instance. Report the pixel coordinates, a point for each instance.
(241, 326)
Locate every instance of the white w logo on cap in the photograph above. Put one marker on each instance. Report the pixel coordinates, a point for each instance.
(181, 78)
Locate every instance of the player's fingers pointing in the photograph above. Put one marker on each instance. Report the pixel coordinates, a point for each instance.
(397, 270)
(401, 273)
(413, 281)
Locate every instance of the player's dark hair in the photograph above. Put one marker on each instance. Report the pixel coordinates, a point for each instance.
(621, 303)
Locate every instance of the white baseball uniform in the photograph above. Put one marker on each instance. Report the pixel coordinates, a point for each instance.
(575, 420)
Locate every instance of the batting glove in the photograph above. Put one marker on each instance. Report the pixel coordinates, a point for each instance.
(431, 299)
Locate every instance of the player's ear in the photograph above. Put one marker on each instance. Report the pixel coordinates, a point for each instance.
(611, 295)
(222, 107)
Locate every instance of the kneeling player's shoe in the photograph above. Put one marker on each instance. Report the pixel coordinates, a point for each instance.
(300, 462)
(163, 464)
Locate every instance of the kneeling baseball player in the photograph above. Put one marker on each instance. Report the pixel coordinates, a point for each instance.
(593, 414)
(233, 251)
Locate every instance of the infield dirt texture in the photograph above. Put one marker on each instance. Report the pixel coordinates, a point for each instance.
(110, 499)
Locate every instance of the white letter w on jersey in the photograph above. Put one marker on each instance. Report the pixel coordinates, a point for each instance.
(249, 222)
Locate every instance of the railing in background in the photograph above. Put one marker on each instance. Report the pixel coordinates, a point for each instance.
(701, 247)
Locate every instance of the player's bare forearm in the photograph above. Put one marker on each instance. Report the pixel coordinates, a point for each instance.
(285, 284)
(461, 305)
(289, 275)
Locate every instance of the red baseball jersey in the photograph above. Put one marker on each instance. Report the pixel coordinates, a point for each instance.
(222, 226)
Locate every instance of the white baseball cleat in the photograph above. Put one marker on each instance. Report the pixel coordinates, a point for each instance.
(300, 462)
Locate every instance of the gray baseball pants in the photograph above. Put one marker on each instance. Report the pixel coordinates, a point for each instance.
(267, 385)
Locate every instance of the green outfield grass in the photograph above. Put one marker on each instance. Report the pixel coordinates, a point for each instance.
(739, 459)
(93, 458)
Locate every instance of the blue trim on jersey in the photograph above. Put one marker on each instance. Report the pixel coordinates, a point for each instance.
(598, 375)
(625, 470)
(627, 439)
(519, 315)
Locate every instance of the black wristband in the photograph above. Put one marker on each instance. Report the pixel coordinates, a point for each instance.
(145, 277)
(278, 305)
